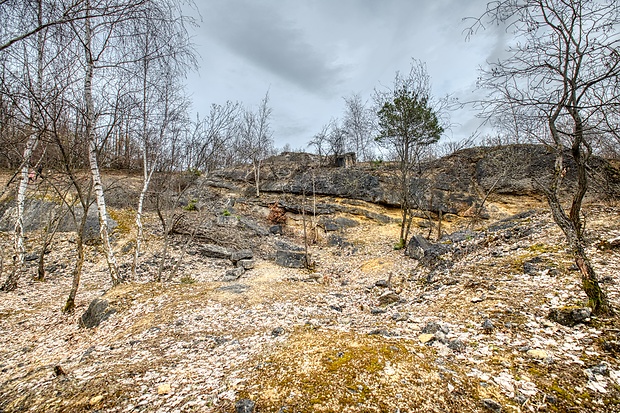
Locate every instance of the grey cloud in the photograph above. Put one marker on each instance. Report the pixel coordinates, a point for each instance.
(261, 34)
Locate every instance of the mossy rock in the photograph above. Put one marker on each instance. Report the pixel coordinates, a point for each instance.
(570, 316)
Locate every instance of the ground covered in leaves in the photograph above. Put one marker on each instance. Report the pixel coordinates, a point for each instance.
(367, 330)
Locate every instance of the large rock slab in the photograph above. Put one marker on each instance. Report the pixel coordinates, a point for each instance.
(421, 249)
(292, 259)
(245, 254)
(98, 311)
(213, 251)
(37, 214)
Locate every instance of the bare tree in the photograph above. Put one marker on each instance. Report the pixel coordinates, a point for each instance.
(561, 79)
(358, 127)
(214, 135)
(163, 56)
(320, 142)
(33, 86)
(256, 138)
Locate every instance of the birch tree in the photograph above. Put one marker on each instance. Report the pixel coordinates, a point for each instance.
(34, 88)
(163, 56)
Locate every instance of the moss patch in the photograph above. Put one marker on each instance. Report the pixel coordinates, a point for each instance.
(346, 372)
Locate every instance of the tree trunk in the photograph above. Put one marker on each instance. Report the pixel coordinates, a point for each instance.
(147, 172)
(597, 300)
(257, 177)
(20, 251)
(77, 273)
(92, 157)
(139, 226)
(48, 235)
(79, 263)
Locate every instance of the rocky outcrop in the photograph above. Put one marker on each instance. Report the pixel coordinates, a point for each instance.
(452, 184)
(37, 214)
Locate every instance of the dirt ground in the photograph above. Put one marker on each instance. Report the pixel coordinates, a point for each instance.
(325, 340)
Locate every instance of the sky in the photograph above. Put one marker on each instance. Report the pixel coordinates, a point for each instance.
(309, 54)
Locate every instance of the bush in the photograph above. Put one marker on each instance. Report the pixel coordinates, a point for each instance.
(277, 214)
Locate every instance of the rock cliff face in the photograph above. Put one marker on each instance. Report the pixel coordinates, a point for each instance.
(452, 184)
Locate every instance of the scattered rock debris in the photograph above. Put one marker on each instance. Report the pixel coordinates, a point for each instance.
(344, 342)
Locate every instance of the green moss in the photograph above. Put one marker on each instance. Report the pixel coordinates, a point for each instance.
(330, 375)
(543, 248)
(399, 245)
(191, 205)
(125, 219)
(338, 361)
(561, 392)
(187, 279)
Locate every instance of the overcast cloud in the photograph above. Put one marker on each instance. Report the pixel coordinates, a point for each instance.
(309, 54)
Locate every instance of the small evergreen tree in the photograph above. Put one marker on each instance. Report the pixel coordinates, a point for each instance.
(407, 125)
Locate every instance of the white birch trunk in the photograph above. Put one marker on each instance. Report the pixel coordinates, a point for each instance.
(92, 157)
(257, 176)
(31, 144)
(139, 226)
(20, 251)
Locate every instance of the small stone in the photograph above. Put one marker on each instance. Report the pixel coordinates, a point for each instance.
(246, 264)
(432, 327)
(244, 406)
(388, 297)
(487, 326)
(530, 267)
(377, 310)
(292, 259)
(278, 331)
(399, 317)
(538, 354)
(98, 311)
(425, 338)
(456, 345)
(164, 389)
(492, 405)
(234, 274)
(382, 284)
(276, 229)
(95, 400)
(441, 337)
(521, 399)
(601, 369)
(477, 300)
(241, 255)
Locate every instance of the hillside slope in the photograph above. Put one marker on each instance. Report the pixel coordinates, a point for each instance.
(367, 329)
